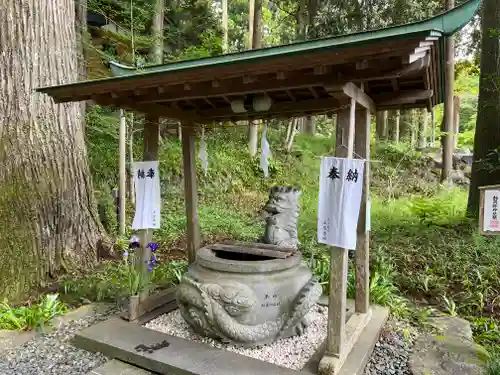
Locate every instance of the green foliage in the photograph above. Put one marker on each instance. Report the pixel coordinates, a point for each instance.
(31, 316)
(493, 365)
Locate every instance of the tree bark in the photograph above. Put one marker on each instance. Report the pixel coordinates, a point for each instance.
(422, 129)
(310, 125)
(487, 136)
(394, 117)
(225, 27)
(156, 53)
(447, 137)
(49, 220)
(456, 120)
(433, 128)
(81, 32)
(381, 124)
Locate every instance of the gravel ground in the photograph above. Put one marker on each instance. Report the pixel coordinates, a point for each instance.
(293, 352)
(53, 354)
(392, 351)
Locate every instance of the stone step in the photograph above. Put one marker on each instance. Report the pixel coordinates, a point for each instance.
(165, 354)
(115, 367)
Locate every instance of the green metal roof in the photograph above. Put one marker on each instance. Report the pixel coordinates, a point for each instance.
(446, 23)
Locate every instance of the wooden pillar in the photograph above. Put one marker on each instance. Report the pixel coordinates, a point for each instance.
(447, 137)
(123, 173)
(151, 125)
(337, 299)
(362, 148)
(190, 190)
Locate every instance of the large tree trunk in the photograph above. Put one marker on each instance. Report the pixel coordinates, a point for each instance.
(487, 137)
(49, 223)
(156, 53)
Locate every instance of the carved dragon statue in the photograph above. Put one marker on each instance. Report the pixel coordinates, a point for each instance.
(282, 213)
(213, 310)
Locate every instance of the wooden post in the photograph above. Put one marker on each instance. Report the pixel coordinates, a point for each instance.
(123, 172)
(447, 164)
(337, 299)
(151, 125)
(190, 190)
(362, 147)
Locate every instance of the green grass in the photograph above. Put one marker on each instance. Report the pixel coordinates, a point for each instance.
(31, 316)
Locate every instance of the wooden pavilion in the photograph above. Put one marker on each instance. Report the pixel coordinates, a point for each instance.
(352, 76)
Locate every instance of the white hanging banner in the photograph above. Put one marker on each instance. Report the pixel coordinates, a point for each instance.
(340, 191)
(203, 153)
(265, 153)
(491, 217)
(147, 195)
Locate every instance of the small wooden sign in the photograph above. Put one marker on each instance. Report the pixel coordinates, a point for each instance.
(489, 210)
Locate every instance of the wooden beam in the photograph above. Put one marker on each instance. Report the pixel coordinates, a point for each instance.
(354, 92)
(362, 149)
(313, 92)
(291, 96)
(395, 84)
(190, 190)
(145, 108)
(312, 105)
(302, 81)
(403, 97)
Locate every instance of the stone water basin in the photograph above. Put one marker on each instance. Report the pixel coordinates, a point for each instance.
(247, 299)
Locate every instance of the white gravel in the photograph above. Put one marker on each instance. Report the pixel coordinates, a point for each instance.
(53, 354)
(293, 352)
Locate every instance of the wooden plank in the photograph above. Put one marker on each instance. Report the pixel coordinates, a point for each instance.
(251, 251)
(160, 310)
(190, 191)
(402, 97)
(362, 147)
(261, 246)
(153, 301)
(118, 339)
(151, 134)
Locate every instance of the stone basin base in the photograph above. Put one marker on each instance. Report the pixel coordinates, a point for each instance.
(247, 299)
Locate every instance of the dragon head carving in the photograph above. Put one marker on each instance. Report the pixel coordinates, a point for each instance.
(236, 298)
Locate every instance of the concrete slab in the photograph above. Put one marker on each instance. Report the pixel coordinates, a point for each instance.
(115, 367)
(360, 353)
(167, 354)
